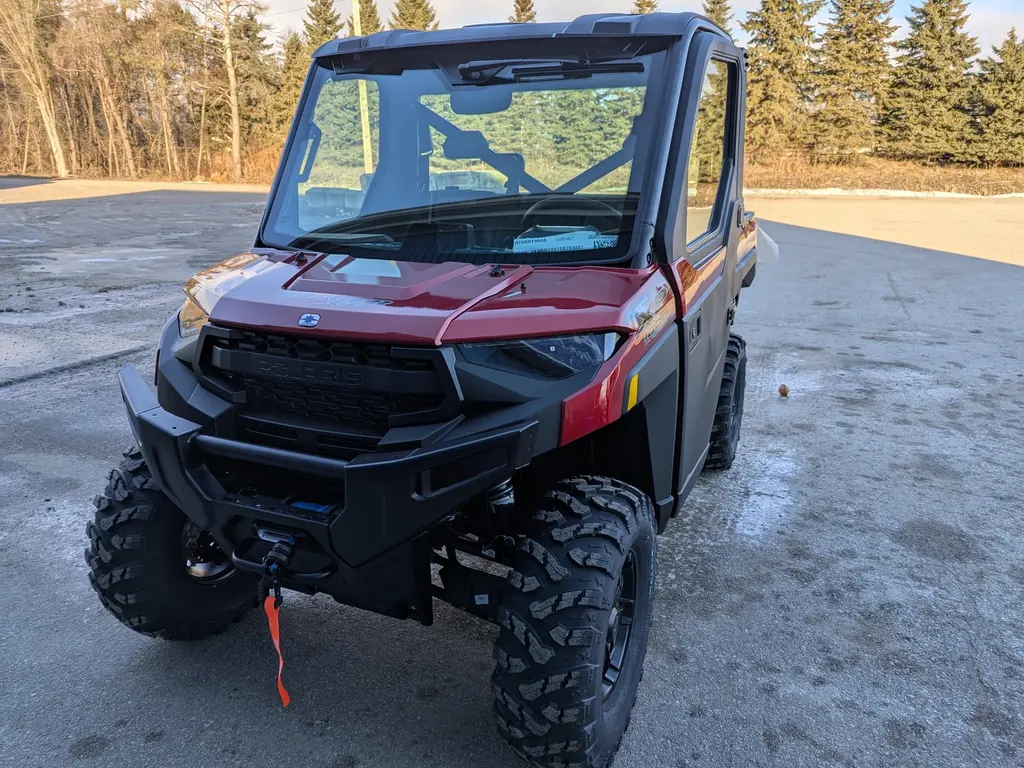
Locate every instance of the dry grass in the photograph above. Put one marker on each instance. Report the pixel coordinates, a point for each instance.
(876, 173)
(258, 165)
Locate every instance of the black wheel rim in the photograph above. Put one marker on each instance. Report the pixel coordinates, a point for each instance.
(620, 625)
(205, 562)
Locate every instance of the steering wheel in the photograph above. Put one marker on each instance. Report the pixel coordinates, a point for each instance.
(571, 210)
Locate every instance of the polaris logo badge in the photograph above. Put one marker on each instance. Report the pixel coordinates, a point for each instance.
(310, 372)
(309, 320)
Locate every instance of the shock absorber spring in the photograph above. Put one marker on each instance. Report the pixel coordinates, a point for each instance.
(501, 499)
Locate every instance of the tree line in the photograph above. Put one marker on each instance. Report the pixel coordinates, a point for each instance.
(198, 89)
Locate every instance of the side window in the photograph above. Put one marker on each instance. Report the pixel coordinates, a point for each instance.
(707, 152)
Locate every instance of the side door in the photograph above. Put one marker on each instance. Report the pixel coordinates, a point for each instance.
(705, 219)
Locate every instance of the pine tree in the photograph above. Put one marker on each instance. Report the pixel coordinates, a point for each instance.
(322, 23)
(369, 19)
(720, 13)
(257, 75)
(926, 111)
(852, 74)
(523, 11)
(780, 78)
(413, 14)
(641, 7)
(1001, 118)
(293, 71)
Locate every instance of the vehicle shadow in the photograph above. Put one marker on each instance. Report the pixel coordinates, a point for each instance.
(366, 690)
(146, 234)
(14, 182)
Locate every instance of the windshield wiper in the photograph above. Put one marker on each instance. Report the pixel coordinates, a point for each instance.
(521, 70)
(485, 71)
(575, 70)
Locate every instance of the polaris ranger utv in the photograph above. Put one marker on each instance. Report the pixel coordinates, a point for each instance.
(479, 351)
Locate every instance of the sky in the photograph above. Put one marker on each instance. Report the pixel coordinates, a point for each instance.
(990, 19)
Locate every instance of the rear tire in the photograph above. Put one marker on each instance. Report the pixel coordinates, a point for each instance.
(558, 700)
(137, 563)
(725, 434)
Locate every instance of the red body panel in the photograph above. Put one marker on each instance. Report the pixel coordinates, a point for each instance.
(430, 304)
(648, 312)
(414, 303)
(692, 283)
(555, 300)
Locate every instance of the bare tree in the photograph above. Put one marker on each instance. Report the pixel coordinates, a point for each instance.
(221, 16)
(21, 42)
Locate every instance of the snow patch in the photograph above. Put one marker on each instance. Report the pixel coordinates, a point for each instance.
(767, 503)
(837, 192)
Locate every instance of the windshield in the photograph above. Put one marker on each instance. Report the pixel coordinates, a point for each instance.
(481, 160)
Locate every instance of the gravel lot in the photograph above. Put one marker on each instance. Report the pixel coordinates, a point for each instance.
(850, 594)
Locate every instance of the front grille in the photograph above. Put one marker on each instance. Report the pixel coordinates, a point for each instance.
(348, 352)
(331, 404)
(335, 398)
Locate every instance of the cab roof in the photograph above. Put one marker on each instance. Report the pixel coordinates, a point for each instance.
(601, 24)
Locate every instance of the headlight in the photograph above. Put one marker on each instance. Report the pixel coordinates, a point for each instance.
(191, 319)
(553, 357)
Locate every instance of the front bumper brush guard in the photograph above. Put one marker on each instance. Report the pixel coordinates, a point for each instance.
(390, 498)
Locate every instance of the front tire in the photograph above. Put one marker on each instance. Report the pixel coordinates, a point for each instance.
(575, 620)
(142, 568)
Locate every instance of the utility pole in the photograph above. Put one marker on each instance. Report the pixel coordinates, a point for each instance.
(364, 107)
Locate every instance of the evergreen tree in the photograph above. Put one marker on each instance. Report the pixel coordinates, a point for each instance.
(709, 144)
(641, 7)
(719, 12)
(523, 11)
(1001, 119)
(257, 76)
(926, 112)
(780, 78)
(852, 74)
(369, 19)
(294, 64)
(322, 23)
(413, 14)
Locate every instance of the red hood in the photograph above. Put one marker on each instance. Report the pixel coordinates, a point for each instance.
(417, 303)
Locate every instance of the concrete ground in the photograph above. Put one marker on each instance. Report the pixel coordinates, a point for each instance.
(849, 594)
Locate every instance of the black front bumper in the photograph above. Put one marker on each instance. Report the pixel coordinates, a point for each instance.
(362, 550)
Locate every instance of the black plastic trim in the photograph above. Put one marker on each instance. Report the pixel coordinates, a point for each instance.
(262, 454)
(748, 278)
(658, 398)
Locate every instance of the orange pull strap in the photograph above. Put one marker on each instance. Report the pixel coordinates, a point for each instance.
(275, 634)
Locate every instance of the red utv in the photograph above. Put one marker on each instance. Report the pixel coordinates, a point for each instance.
(479, 352)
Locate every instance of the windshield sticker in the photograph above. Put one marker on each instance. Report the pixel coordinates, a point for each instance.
(581, 240)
